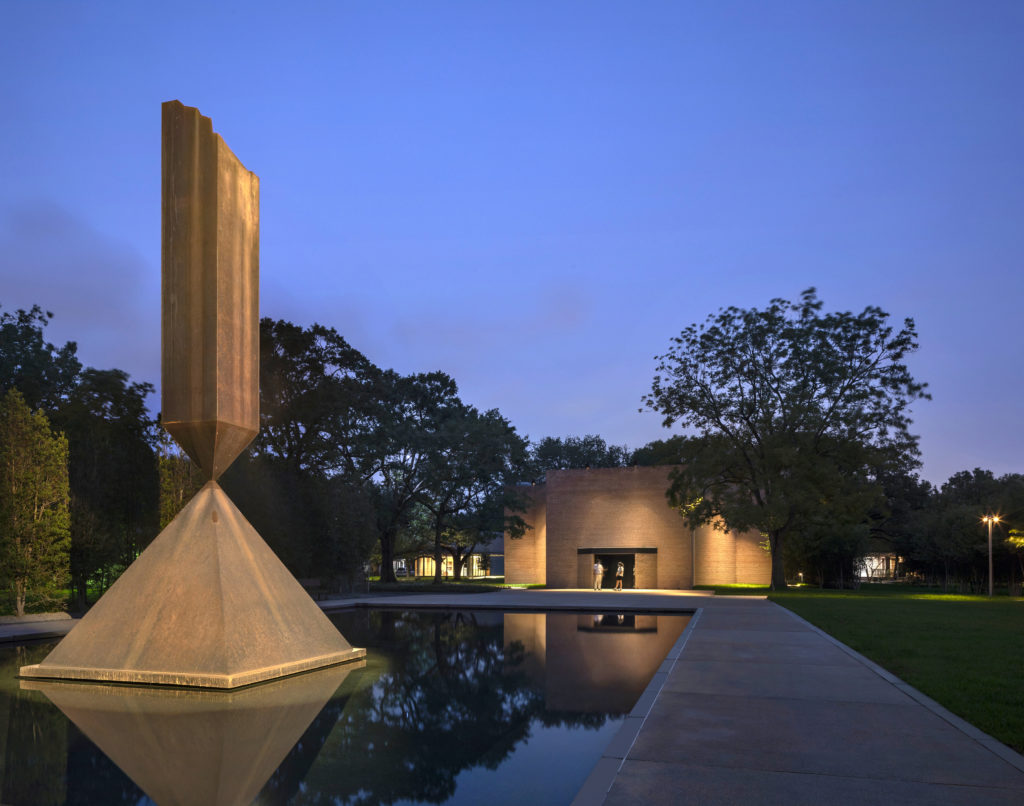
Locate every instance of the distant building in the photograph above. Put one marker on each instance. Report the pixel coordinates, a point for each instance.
(487, 560)
(618, 515)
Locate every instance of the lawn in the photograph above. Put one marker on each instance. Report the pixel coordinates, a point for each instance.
(427, 585)
(966, 652)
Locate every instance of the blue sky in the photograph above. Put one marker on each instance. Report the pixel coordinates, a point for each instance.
(536, 196)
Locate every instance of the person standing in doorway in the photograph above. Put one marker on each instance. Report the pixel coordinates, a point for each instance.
(619, 573)
(598, 573)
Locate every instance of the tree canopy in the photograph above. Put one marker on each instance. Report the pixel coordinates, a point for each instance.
(111, 445)
(572, 453)
(34, 535)
(44, 374)
(471, 468)
(794, 411)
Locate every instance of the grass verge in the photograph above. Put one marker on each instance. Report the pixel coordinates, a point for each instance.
(966, 652)
(427, 585)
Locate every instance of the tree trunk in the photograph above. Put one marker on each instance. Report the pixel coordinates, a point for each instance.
(387, 557)
(438, 555)
(458, 561)
(81, 590)
(778, 567)
(19, 598)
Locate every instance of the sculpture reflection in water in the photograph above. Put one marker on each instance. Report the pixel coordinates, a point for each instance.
(185, 746)
(443, 701)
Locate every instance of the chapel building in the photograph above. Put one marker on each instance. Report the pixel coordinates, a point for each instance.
(621, 514)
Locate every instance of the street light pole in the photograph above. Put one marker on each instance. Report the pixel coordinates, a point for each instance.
(990, 519)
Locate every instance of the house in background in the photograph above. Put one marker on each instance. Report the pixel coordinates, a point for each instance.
(487, 560)
(621, 514)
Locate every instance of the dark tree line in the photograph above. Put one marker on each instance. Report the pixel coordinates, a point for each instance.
(351, 459)
(797, 425)
(112, 471)
(940, 537)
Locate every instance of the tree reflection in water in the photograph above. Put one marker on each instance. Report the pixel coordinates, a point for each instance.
(451, 698)
(442, 693)
(44, 759)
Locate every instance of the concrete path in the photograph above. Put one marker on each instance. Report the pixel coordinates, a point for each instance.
(753, 705)
(35, 627)
(760, 707)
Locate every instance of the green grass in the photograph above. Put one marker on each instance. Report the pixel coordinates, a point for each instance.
(966, 652)
(427, 585)
(735, 590)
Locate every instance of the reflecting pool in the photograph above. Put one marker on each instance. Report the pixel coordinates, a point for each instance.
(448, 707)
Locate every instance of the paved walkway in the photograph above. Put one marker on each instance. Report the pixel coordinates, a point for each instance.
(32, 628)
(755, 706)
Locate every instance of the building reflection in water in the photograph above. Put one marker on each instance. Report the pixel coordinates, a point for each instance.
(444, 699)
(188, 746)
(589, 662)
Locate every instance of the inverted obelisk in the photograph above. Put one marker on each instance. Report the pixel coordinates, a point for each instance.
(210, 292)
(208, 604)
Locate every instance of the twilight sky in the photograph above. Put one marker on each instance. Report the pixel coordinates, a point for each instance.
(536, 196)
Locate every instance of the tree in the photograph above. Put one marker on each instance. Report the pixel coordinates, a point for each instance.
(111, 437)
(660, 452)
(473, 460)
(306, 483)
(317, 400)
(319, 526)
(180, 480)
(113, 470)
(787, 402)
(34, 528)
(45, 375)
(411, 411)
(948, 541)
(555, 453)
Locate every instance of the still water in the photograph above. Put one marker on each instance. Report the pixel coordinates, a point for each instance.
(451, 707)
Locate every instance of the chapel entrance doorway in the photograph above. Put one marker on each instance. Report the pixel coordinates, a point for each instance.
(610, 561)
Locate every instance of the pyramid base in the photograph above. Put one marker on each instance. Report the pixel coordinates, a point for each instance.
(207, 605)
(187, 679)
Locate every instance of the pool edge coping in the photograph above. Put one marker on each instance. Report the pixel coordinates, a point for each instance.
(598, 783)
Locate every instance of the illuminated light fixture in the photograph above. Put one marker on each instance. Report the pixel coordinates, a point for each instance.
(990, 519)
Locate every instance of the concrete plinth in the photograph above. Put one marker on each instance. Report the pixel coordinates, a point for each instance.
(208, 604)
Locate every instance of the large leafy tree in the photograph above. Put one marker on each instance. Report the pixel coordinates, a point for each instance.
(111, 438)
(114, 474)
(472, 464)
(794, 411)
(44, 374)
(569, 453)
(411, 415)
(306, 484)
(34, 533)
(317, 396)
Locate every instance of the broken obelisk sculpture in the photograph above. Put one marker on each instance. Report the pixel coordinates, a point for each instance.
(208, 603)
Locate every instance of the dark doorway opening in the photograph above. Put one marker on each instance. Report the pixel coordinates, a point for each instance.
(611, 562)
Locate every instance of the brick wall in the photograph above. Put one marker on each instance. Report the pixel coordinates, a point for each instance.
(729, 558)
(647, 571)
(614, 508)
(584, 571)
(607, 508)
(525, 556)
